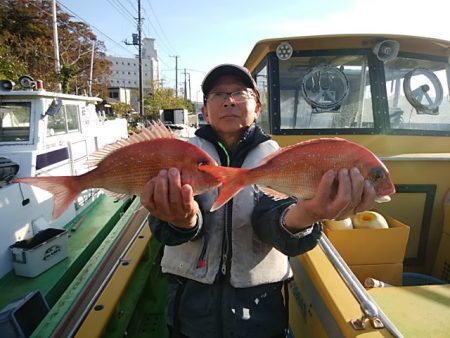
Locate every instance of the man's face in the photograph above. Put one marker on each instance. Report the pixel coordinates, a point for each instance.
(229, 116)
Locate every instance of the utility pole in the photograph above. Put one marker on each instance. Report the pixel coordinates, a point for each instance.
(92, 68)
(141, 87)
(137, 40)
(185, 85)
(189, 81)
(125, 92)
(176, 73)
(55, 41)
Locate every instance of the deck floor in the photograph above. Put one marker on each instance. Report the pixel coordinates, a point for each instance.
(97, 221)
(417, 311)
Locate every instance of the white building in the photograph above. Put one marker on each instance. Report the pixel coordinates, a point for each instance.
(124, 78)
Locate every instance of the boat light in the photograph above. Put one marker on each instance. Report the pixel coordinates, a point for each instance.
(27, 82)
(284, 51)
(386, 50)
(40, 85)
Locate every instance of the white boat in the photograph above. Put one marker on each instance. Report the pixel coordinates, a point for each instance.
(44, 133)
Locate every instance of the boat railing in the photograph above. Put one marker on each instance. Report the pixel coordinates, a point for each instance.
(369, 307)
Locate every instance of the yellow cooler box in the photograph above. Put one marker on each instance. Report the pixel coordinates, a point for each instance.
(373, 252)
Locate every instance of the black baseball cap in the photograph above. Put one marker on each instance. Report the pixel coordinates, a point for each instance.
(228, 69)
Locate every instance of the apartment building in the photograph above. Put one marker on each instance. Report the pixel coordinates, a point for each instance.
(124, 78)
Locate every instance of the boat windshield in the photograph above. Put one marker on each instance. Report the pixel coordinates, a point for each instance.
(15, 121)
(357, 92)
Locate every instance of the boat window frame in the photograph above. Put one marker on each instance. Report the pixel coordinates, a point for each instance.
(264, 120)
(274, 93)
(31, 122)
(77, 120)
(65, 116)
(413, 132)
(379, 95)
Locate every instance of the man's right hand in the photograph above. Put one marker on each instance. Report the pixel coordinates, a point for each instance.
(170, 201)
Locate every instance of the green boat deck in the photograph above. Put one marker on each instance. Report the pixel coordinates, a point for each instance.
(92, 226)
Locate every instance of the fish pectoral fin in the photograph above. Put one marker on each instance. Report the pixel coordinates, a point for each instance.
(276, 195)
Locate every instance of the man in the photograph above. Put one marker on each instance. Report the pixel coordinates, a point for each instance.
(226, 269)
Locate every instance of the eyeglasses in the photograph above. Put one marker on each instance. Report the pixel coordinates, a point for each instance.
(239, 96)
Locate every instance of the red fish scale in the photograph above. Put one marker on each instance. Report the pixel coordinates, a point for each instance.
(128, 169)
(297, 170)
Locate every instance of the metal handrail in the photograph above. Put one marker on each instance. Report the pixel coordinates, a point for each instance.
(368, 305)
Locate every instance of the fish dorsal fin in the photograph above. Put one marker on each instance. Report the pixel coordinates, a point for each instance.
(301, 144)
(157, 130)
(276, 195)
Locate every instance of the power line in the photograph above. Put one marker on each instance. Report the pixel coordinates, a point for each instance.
(150, 25)
(95, 28)
(163, 41)
(132, 6)
(125, 10)
(159, 41)
(159, 24)
(122, 9)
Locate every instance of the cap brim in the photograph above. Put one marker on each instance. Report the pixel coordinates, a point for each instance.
(227, 69)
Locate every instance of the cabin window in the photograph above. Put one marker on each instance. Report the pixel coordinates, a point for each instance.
(325, 92)
(73, 123)
(65, 121)
(261, 81)
(56, 124)
(15, 121)
(418, 94)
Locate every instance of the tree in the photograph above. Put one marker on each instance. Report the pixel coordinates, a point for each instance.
(11, 67)
(27, 44)
(164, 99)
(122, 109)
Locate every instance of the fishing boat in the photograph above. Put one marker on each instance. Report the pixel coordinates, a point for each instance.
(51, 134)
(389, 93)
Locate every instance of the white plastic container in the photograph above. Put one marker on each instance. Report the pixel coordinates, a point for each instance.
(33, 256)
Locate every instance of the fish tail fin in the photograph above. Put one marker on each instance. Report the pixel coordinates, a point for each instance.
(64, 189)
(233, 180)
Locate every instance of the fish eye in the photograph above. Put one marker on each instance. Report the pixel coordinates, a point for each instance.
(377, 174)
(202, 162)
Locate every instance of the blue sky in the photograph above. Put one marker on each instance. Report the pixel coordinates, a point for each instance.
(204, 33)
